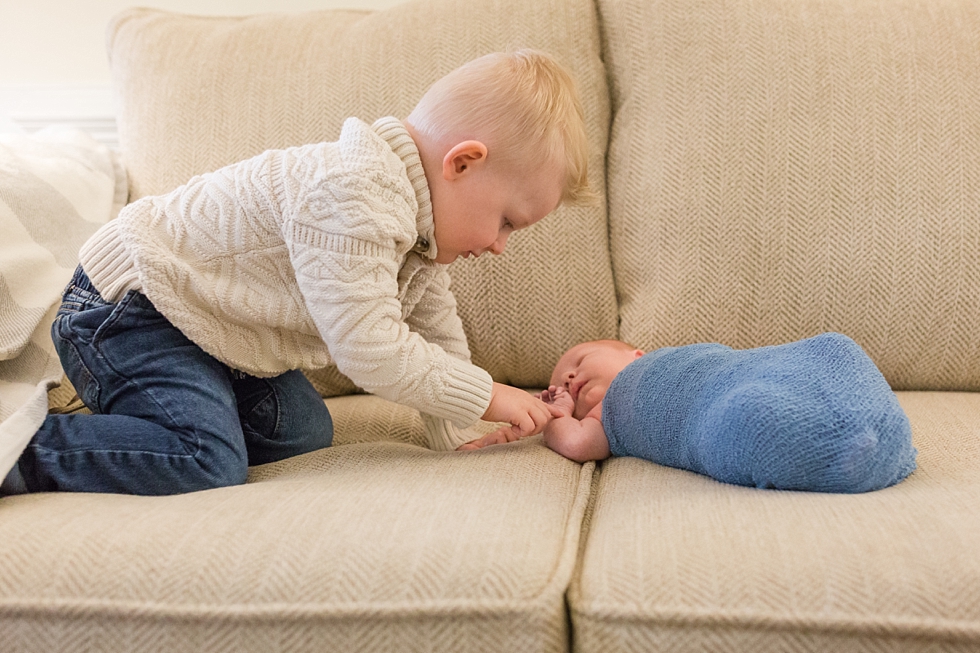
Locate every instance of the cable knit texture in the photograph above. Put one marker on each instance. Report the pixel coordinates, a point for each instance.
(301, 257)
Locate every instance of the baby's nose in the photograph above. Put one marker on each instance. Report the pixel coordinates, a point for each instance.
(498, 245)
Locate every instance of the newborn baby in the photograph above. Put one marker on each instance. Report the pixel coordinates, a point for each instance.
(813, 415)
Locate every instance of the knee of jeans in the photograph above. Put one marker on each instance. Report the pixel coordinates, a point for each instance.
(233, 475)
(213, 476)
(219, 465)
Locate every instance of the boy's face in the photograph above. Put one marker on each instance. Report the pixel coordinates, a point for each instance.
(586, 370)
(475, 207)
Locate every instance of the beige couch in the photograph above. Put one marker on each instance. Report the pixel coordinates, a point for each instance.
(772, 169)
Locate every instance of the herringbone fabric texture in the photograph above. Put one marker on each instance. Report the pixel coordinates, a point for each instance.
(56, 188)
(674, 561)
(370, 419)
(198, 93)
(373, 546)
(779, 169)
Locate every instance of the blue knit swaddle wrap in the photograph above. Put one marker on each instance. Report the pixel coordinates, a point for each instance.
(813, 415)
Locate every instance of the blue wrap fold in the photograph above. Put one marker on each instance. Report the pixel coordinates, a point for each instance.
(813, 415)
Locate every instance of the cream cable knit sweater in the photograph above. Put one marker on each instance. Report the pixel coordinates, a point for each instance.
(301, 257)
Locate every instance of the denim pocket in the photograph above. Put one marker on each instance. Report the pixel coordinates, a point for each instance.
(119, 311)
(134, 310)
(258, 405)
(81, 377)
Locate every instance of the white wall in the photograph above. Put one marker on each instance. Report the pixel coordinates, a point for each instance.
(53, 64)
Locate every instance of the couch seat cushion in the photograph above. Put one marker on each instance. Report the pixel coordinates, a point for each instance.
(674, 561)
(373, 546)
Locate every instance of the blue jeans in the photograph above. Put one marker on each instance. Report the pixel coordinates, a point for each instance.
(167, 417)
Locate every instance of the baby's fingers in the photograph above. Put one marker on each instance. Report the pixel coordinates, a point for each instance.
(555, 411)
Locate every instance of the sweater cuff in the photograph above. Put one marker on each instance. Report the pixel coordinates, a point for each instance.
(442, 435)
(466, 396)
(107, 263)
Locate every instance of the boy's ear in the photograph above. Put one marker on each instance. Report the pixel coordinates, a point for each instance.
(463, 157)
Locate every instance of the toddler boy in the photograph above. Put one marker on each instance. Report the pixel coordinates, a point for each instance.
(191, 314)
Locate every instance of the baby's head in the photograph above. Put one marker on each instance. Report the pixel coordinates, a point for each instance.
(503, 143)
(586, 370)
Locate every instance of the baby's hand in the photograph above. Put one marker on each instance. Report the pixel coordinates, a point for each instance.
(526, 413)
(559, 398)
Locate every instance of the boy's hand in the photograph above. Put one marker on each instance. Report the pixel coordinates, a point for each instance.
(502, 435)
(558, 398)
(526, 413)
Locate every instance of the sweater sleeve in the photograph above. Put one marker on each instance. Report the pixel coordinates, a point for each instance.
(442, 434)
(435, 319)
(346, 261)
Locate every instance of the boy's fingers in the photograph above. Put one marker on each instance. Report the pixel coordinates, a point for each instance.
(540, 418)
(500, 436)
(525, 427)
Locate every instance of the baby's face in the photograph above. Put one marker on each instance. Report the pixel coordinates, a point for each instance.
(476, 211)
(586, 370)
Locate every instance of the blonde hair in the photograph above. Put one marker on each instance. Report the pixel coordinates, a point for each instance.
(514, 103)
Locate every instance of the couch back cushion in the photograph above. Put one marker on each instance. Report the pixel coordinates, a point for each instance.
(198, 93)
(778, 168)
